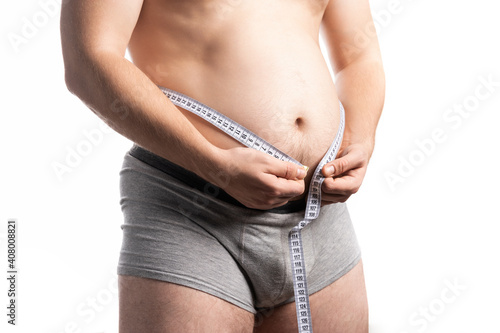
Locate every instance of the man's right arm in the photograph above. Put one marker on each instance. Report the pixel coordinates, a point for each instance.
(95, 35)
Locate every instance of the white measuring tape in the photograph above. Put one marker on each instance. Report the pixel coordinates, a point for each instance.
(251, 140)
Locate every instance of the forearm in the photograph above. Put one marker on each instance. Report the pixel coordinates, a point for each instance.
(361, 89)
(119, 93)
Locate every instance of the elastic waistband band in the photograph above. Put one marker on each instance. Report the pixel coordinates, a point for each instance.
(193, 180)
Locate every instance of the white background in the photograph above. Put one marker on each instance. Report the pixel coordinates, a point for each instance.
(437, 226)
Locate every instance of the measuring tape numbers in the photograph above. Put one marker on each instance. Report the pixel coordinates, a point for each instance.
(251, 140)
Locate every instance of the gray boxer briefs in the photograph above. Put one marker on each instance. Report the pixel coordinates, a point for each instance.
(181, 229)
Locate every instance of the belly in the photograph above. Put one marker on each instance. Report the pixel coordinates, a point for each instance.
(268, 75)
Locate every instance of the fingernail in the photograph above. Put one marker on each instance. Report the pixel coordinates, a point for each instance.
(330, 170)
(301, 173)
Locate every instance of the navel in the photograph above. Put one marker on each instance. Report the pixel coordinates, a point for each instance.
(299, 123)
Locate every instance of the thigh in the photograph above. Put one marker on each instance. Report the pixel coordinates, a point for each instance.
(339, 308)
(153, 306)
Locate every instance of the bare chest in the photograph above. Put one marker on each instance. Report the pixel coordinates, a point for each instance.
(218, 7)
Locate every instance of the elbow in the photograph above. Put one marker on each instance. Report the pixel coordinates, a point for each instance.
(70, 62)
(75, 76)
(70, 68)
(71, 80)
(83, 70)
(74, 71)
(76, 67)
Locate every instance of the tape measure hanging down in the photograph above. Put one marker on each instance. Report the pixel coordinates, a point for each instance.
(251, 140)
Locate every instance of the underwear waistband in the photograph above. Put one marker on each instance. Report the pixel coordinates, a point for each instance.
(193, 180)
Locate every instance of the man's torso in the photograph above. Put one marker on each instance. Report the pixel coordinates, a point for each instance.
(258, 62)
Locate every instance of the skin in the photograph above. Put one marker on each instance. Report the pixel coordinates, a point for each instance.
(259, 63)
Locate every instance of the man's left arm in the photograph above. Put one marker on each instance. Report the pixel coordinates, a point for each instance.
(354, 53)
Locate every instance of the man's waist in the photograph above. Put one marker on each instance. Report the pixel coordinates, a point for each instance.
(193, 180)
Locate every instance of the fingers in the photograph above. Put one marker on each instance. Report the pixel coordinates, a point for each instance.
(289, 181)
(343, 176)
(346, 185)
(339, 189)
(285, 181)
(276, 192)
(261, 181)
(288, 170)
(284, 188)
(351, 160)
(280, 182)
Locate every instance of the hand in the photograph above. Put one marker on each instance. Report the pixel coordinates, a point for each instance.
(258, 180)
(346, 176)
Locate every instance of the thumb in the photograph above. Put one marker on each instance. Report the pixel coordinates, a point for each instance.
(291, 171)
(337, 167)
